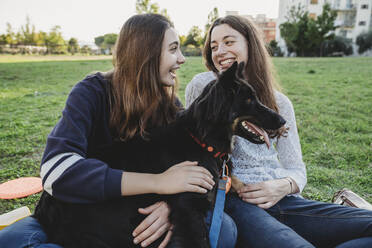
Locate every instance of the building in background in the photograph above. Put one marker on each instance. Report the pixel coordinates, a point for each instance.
(266, 25)
(353, 16)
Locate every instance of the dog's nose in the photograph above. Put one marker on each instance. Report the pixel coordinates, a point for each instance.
(282, 121)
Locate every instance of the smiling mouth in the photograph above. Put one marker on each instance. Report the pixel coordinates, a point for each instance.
(172, 72)
(254, 133)
(224, 64)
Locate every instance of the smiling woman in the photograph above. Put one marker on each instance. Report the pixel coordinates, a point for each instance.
(137, 95)
(268, 208)
(171, 58)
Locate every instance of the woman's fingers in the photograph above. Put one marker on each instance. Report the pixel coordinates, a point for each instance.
(266, 205)
(155, 235)
(151, 225)
(167, 238)
(252, 194)
(150, 208)
(204, 182)
(256, 201)
(185, 177)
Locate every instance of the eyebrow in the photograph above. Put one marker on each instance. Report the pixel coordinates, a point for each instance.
(225, 37)
(173, 43)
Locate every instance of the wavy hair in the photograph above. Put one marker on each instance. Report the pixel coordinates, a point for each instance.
(138, 100)
(259, 68)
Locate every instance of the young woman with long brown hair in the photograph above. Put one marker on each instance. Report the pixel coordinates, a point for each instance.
(139, 93)
(268, 210)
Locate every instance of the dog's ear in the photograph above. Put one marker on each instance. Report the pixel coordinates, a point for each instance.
(227, 77)
(240, 70)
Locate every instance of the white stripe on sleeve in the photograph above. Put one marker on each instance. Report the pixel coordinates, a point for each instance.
(49, 164)
(58, 171)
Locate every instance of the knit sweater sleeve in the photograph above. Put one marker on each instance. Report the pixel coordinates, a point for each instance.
(196, 86)
(289, 147)
(66, 170)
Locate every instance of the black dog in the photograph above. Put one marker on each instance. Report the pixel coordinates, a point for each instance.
(201, 133)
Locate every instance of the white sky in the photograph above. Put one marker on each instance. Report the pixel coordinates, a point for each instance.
(86, 19)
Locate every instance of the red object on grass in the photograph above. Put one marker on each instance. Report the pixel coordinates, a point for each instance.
(20, 187)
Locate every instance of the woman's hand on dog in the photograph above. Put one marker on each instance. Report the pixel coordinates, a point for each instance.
(265, 194)
(154, 225)
(184, 177)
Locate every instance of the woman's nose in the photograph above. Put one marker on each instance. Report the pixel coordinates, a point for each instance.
(221, 50)
(181, 59)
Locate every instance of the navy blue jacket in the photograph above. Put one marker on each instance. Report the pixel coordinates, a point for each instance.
(69, 169)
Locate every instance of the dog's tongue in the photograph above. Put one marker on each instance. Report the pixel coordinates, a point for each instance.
(259, 132)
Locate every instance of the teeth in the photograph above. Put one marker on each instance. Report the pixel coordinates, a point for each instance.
(227, 61)
(248, 128)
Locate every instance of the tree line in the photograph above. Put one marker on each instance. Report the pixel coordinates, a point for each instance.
(303, 35)
(27, 40)
(307, 37)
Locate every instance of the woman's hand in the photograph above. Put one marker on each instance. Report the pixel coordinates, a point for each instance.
(265, 194)
(154, 225)
(184, 177)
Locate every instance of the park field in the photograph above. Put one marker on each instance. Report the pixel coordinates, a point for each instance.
(332, 98)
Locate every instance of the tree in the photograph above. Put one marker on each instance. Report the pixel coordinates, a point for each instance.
(106, 41)
(86, 49)
(274, 49)
(305, 35)
(99, 40)
(109, 41)
(145, 6)
(28, 35)
(339, 46)
(73, 46)
(194, 37)
(364, 41)
(182, 40)
(212, 16)
(55, 42)
(10, 36)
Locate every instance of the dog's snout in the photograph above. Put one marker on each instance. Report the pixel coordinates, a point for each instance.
(282, 121)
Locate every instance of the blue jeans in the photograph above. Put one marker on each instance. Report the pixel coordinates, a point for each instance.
(25, 233)
(28, 233)
(298, 222)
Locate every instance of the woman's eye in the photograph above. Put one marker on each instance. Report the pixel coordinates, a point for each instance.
(214, 48)
(230, 42)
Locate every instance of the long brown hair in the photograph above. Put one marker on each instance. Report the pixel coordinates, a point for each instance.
(259, 67)
(138, 100)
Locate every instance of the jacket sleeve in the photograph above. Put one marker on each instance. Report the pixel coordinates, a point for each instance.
(289, 147)
(66, 172)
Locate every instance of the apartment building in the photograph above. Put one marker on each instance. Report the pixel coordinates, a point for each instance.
(266, 25)
(353, 16)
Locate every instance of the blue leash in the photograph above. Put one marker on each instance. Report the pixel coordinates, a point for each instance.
(219, 205)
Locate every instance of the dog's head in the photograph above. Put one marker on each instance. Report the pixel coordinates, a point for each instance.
(230, 105)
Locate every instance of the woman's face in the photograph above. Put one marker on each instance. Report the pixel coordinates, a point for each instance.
(171, 57)
(228, 46)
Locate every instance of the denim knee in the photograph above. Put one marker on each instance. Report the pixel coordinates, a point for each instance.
(25, 233)
(228, 233)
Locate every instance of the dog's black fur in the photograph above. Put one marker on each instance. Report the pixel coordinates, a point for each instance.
(214, 118)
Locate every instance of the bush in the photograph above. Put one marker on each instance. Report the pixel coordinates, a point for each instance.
(337, 47)
(191, 50)
(274, 50)
(364, 41)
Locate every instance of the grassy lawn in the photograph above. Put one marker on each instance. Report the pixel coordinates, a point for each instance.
(332, 98)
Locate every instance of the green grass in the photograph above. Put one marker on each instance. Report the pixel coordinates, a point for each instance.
(332, 99)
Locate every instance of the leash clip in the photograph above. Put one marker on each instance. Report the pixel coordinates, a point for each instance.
(225, 181)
